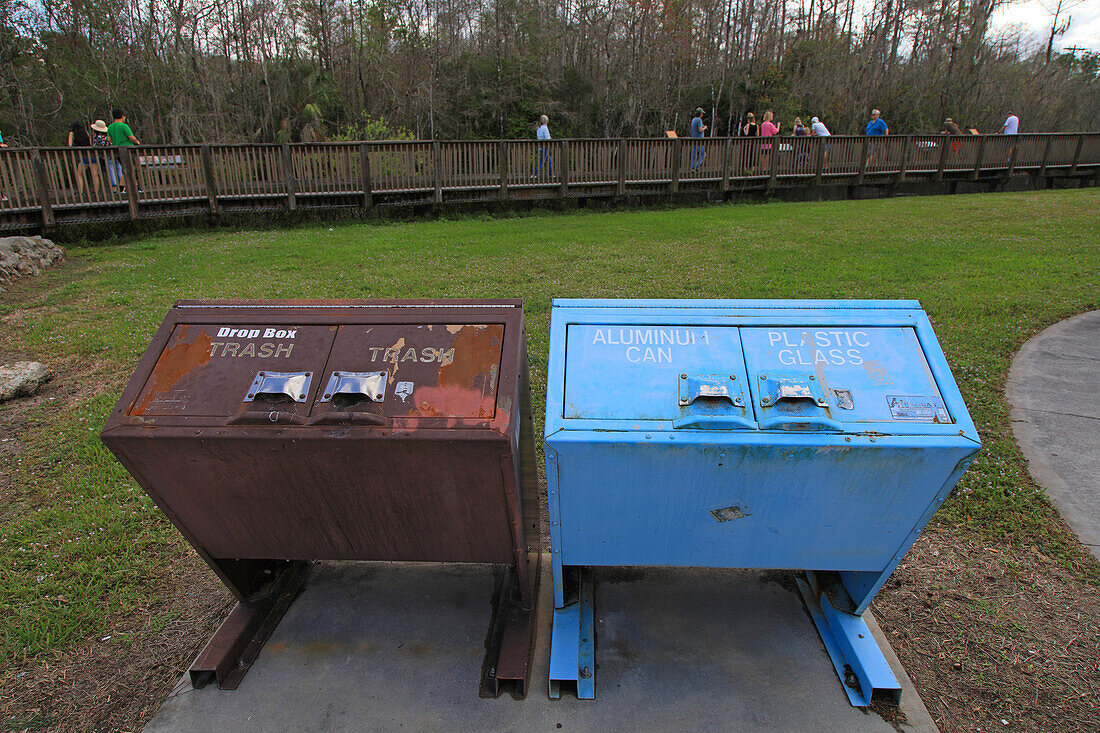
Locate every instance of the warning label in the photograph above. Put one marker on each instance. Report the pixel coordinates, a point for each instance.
(917, 408)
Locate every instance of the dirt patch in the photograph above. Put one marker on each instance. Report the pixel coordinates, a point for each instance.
(118, 681)
(995, 637)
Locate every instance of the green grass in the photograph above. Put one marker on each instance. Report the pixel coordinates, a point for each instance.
(991, 270)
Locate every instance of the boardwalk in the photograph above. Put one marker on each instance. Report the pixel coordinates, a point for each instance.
(40, 191)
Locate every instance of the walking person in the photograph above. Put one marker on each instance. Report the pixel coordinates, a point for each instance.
(543, 133)
(749, 129)
(121, 136)
(698, 131)
(875, 128)
(767, 129)
(85, 159)
(1010, 127)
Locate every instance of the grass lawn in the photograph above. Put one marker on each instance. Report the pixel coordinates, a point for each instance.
(80, 545)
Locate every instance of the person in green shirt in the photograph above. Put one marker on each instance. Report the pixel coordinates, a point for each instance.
(122, 136)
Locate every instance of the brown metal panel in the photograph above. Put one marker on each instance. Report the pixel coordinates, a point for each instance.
(424, 452)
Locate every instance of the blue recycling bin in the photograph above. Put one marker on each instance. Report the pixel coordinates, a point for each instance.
(785, 434)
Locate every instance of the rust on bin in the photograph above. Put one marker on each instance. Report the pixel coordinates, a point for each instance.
(275, 433)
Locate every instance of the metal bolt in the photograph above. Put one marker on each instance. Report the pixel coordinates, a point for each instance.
(733, 377)
(378, 396)
(763, 377)
(327, 395)
(765, 401)
(585, 672)
(739, 402)
(251, 396)
(812, 377)
(648, 436)
(301, 396)
(822, 402)
(336, 374)
(683, 400)
(492, 672)
(260, 374)
(683, 376)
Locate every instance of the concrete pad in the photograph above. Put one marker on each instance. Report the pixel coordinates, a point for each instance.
(1052, 388)
(382, 646)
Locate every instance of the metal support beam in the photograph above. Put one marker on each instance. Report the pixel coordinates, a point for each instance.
(230, 653)
(288, 175)
(209, 180)
(863, 670)
(572, 641)
(511, 635)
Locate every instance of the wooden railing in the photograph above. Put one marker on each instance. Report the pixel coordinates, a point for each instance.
(43, 187)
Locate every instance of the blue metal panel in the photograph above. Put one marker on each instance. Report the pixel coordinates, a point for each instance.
(816, 435)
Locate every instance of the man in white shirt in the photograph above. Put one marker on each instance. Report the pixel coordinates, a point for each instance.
(543, 133)
(818, 129)
(1011, 125)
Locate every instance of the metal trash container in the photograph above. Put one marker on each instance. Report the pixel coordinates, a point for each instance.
(275, 433)
(808, 435)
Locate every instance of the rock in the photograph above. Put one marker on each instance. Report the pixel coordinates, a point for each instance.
(22, 379)
(21, 256)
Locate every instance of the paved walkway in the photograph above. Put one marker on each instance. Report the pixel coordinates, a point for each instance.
(388, 646)
(1054, 390)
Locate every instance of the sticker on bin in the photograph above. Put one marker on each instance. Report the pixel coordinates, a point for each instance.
(917, 409)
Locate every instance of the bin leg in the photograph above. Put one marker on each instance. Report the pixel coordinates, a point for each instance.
(511, 634)
(233, 648)
(860, 664)
(573, 640)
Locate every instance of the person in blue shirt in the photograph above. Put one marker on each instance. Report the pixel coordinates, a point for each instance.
(698, 129)
(876, 127)
(543, 133)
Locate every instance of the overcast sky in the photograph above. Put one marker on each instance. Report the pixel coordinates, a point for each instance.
(1034, 19)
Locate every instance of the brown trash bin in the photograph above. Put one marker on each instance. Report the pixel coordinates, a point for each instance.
(273, 433)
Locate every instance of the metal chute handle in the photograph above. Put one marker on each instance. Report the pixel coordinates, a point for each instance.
(292, 385)
(368, 385)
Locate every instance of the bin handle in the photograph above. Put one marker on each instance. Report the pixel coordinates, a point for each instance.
(803, 423)
(355, 418)
(714, 422)
(266, 418)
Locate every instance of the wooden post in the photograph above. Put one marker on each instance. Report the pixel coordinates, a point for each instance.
(677, 153)
(820, 172)
(945, 145)
(620, 190)
(364, 170)
(1012, 156)
(1046, 154)
(978, 158)
(563, 168)
(127, 152)
(862, 162)
(1076, 156)
(727, 163)
(904, 159)
(437, 171)
(211, 183)
(288, 174)
(502, 166)
(48, 220)
(773, 163)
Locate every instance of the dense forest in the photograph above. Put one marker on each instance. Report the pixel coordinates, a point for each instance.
(289, 70)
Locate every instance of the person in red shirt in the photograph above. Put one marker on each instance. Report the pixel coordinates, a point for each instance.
(767, 129)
